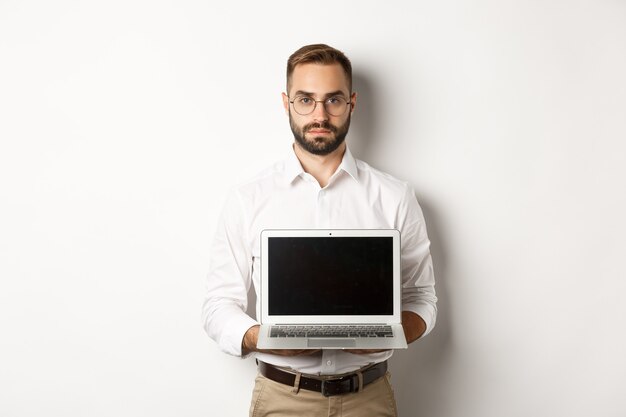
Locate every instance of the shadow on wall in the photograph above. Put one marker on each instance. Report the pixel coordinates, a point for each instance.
(418, 372)
(364, 127)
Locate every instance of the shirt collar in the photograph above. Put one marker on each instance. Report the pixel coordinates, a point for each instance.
(293, 168)
(348, 164)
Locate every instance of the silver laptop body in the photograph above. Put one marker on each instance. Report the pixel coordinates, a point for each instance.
(331, 289)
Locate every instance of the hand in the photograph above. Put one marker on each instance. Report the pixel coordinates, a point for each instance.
(414, 326)
(251, 338)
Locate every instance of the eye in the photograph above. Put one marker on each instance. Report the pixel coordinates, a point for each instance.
(335, 101)
(304, 100)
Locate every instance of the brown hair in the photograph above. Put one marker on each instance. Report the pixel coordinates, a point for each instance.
(319, 54)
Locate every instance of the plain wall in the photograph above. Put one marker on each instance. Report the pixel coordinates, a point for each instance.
(123, 124)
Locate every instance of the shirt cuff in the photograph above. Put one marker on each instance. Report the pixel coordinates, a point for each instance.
(427, 312)
(232, 338)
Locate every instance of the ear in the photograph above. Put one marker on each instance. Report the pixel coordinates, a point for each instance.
(286, 103)
(352, 102)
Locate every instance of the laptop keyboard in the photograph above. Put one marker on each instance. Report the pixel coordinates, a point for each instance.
(331, 331)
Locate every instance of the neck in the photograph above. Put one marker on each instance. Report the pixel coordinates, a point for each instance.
(321, 167)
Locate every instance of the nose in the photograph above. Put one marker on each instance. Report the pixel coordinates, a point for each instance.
(319, 113)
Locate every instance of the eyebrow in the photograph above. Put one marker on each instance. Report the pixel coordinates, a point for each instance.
(331, 94)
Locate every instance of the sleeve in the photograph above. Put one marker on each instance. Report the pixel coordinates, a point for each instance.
(418, 279)
(228, 280)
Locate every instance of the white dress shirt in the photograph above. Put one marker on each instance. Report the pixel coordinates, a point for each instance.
(285, 197)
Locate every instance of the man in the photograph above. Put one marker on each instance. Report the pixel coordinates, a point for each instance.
(318, 185)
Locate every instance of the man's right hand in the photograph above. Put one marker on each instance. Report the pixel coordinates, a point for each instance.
(251, 338)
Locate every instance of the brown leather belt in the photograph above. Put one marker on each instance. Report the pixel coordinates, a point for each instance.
(327, 386)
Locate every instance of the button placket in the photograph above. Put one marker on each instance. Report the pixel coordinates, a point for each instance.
(323, 209)
(329, 362)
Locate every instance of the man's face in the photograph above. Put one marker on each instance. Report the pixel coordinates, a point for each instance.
(319, 132)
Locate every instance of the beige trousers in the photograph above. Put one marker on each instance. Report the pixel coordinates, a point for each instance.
(273, 399)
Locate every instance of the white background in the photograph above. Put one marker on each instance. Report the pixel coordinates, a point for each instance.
(124, 123)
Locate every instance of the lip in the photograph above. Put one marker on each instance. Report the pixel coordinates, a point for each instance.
(319, 131)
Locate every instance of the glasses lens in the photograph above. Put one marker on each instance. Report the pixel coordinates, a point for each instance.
(303, 105)
(336, 106)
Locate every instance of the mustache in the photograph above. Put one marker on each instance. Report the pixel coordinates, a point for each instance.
(315, 125)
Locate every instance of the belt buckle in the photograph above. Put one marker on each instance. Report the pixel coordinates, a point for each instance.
(327, 382)
(323, 389)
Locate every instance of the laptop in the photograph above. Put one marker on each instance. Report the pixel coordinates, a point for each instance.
(330, 289)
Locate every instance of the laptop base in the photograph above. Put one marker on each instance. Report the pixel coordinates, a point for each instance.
(398, 341)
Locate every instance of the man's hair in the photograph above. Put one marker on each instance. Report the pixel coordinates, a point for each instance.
(319, 54)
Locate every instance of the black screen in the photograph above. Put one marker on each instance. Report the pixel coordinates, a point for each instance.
(330, 276)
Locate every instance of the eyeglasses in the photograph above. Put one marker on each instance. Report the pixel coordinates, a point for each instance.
(335, 106)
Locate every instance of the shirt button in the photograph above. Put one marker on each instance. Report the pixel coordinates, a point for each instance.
(329, 363)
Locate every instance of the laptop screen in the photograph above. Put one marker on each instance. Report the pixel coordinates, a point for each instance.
(330, 276)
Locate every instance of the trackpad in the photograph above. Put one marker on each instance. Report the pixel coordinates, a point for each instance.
(339, 343)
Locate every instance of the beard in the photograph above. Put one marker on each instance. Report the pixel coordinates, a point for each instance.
(320, 145)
